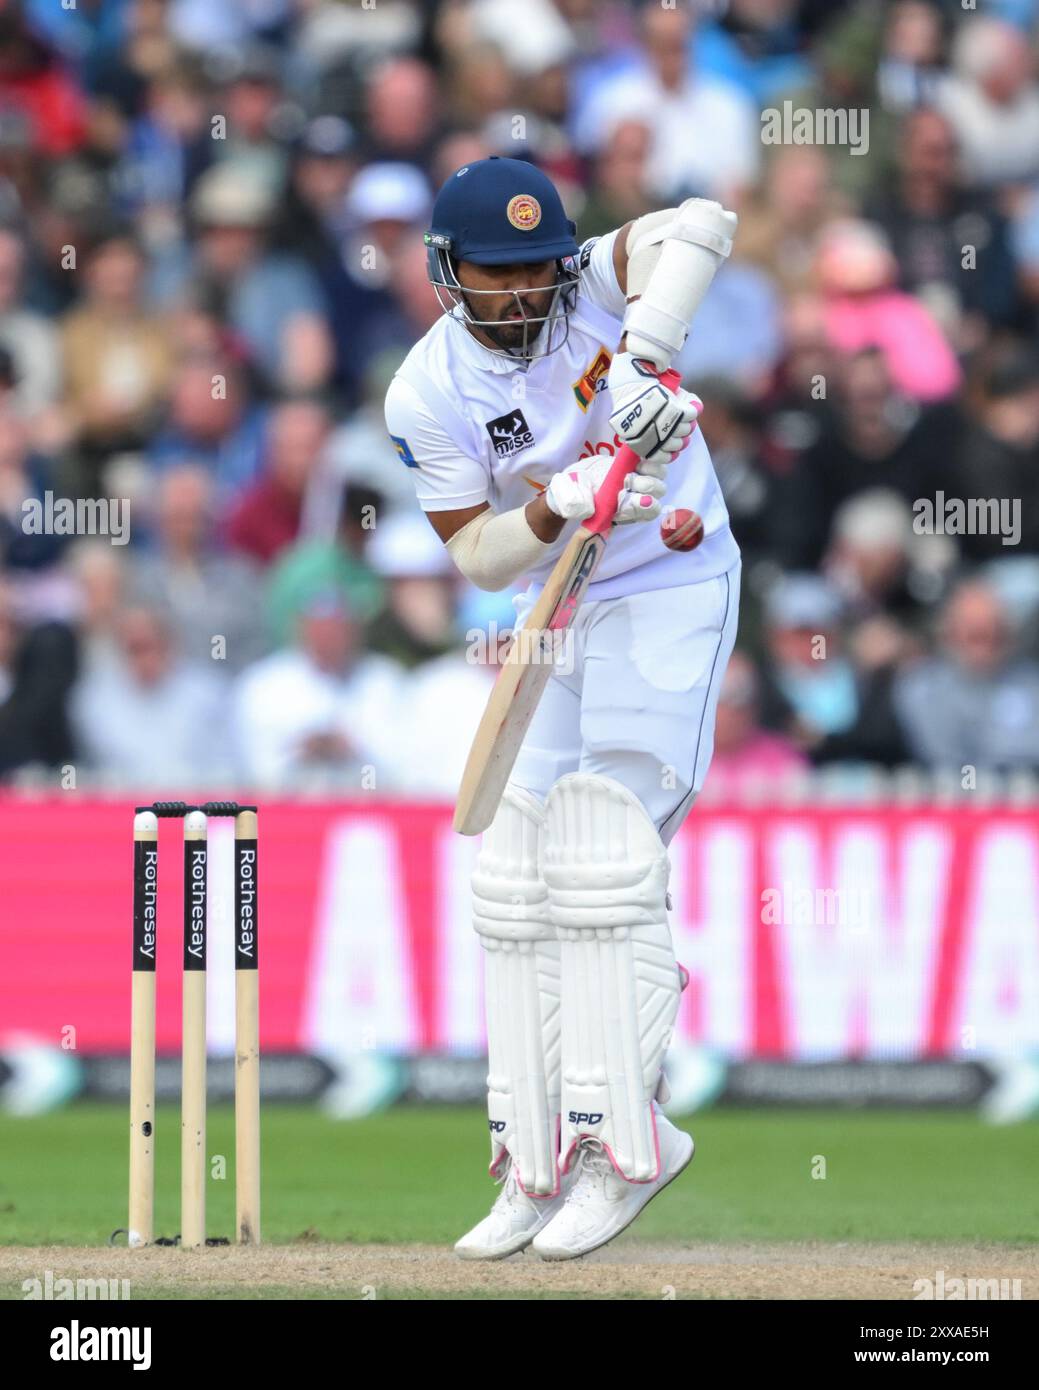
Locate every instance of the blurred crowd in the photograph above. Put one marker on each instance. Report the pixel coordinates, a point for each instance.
(211, 264)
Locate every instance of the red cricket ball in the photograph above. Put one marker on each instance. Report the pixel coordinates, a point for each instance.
(681, 529)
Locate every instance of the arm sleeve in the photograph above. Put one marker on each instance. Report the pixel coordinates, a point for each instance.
(445, 480)
(598, 277)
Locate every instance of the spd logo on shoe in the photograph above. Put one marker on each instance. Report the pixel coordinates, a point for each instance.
(510, 434)
(582, 1117)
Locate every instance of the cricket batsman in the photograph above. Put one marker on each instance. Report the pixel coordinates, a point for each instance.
(509, 412)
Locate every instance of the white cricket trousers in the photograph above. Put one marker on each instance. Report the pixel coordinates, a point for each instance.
(634, 695)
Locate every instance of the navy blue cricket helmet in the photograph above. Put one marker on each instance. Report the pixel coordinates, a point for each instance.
(500, 211)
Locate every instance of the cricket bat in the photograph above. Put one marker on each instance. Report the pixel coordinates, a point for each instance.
(529, 664)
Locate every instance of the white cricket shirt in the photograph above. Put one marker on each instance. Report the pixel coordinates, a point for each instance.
(475, 426)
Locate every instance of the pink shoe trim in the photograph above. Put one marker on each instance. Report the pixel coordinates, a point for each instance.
(496, 1164)
(568, 1158)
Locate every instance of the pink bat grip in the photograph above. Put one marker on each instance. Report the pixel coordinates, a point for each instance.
(626, 462)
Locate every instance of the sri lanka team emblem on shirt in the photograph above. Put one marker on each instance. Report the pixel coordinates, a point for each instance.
(593, 380)
(524, 212)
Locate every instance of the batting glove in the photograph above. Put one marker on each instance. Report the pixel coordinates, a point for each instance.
(649, 418)
(571, 493)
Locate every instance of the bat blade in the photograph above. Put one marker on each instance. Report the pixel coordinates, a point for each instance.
(520, 682)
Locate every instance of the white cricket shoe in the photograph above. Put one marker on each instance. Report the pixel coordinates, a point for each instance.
(601, 1203)
(512, 1223)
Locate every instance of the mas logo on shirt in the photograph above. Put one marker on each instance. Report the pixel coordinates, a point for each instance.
(404, 453)
(510, 434)
(593, 380)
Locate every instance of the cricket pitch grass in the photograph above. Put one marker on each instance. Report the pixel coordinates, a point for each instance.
(775, 1205)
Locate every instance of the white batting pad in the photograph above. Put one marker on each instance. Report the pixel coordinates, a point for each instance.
(606, 870)
(511, 915)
